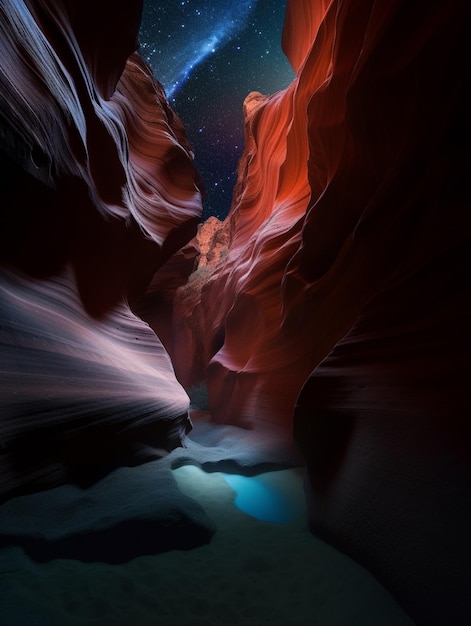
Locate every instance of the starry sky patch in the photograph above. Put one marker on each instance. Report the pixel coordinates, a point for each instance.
(210, 55)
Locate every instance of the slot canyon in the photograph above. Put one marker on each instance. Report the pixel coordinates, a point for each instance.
(324, 324)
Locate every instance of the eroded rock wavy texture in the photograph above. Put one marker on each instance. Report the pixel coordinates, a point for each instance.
(344, 297)
(98, 190)
(343, 186)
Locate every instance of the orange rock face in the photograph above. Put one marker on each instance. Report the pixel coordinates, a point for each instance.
(342, 305)
(346, 185)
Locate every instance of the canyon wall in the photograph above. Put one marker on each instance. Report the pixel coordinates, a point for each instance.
(333, 301)
(342, 308)
(98, 191)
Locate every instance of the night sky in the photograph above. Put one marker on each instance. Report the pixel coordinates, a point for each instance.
(209, 55)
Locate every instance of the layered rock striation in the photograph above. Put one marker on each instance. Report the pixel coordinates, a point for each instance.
(98, 190)
(342, 304)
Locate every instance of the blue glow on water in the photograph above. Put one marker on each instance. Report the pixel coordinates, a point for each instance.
(260, 499)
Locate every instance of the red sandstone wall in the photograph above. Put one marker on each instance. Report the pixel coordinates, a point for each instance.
(345, 290)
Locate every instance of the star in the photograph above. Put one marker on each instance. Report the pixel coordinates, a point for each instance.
(209, 55)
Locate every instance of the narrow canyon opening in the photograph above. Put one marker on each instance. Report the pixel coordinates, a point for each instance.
(241, 397)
